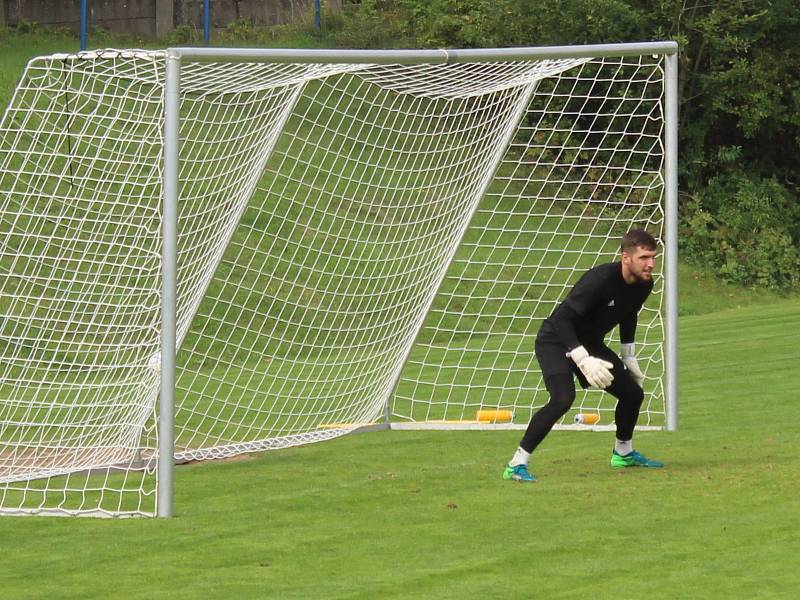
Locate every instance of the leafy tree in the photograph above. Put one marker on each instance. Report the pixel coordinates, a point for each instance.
(739, 96)
(739, 82)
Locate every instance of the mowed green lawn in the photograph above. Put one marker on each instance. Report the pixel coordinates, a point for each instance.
(426, 515)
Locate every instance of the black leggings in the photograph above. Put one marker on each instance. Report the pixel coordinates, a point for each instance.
(562, 394)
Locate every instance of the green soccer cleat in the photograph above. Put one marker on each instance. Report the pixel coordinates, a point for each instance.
(634, 459)
(518, 473)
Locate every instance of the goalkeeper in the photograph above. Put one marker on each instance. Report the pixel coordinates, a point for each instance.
(571, 343)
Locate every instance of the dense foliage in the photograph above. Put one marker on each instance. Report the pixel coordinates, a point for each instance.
(739, 102)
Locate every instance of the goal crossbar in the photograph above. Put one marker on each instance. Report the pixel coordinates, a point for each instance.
(406, 57)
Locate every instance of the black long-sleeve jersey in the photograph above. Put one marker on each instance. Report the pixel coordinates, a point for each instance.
(599, 301)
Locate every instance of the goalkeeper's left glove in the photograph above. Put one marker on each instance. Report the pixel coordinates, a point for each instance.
(628, 354)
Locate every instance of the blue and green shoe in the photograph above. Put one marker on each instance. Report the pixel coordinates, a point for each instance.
(518, 473)
(634, 459)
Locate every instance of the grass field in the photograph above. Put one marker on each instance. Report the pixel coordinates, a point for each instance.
(425, 515)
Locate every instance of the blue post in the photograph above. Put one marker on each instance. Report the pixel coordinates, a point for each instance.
(207, 21)
(317, 14)
(84, 24)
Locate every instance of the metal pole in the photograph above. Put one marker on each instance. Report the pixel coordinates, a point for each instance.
(671, 240)
(169, 254)
(317, 15)
(286, 55)
(84, 23)
(207, 21)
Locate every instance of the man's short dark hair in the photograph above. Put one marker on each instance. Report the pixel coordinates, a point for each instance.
(638, 238)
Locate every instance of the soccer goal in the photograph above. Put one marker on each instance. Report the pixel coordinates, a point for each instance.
(209, 252)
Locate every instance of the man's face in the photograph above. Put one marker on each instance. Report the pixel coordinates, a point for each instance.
(639, 263)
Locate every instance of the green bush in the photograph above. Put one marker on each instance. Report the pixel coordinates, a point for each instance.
(371, 24)
(746, 229)
(183, 35)
(25, 26)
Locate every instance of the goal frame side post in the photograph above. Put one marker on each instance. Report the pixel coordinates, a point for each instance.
(671, 240)
(169, 284)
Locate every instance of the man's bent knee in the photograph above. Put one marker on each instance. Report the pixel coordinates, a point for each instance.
(562, 392)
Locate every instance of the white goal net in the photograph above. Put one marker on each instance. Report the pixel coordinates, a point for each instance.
(358, 243)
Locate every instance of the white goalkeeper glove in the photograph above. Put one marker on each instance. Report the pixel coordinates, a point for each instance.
(596, 370)
(628, 354)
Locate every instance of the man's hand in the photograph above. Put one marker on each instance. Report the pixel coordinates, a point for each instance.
(628, 354)
(596, 370)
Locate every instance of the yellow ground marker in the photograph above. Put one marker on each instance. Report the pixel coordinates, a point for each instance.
(494, 416)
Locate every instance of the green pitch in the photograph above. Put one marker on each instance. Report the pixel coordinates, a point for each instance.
(426, 514)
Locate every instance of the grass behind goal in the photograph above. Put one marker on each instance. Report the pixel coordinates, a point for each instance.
(425, 514)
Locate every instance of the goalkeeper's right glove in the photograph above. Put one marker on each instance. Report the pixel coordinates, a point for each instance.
(596, 370)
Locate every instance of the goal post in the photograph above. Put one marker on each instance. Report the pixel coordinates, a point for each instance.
(671, 239)
(207, 251)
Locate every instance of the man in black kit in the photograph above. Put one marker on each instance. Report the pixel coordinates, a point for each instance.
(571, 342)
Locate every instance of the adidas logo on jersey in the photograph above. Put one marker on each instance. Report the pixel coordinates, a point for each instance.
(611, 303)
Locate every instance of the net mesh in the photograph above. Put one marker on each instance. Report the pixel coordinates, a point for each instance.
(355, 242)
(585, 165)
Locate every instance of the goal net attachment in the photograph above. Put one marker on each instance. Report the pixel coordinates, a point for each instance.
(209, 252)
